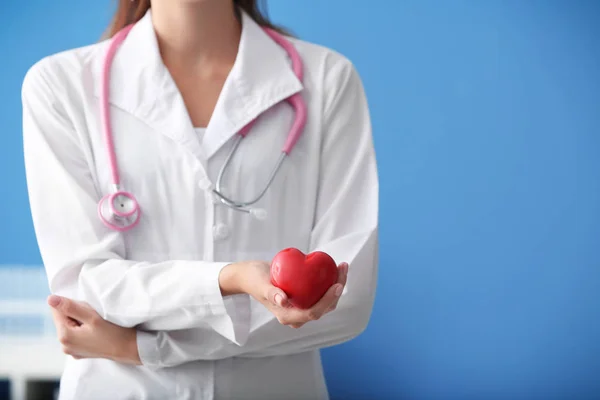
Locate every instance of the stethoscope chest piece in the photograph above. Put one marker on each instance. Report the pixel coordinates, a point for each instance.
(119, 211)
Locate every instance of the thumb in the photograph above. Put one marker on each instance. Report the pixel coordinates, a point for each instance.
(277, 296)
(70, 308)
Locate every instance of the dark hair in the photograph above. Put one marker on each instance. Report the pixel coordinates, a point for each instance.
(131, 11)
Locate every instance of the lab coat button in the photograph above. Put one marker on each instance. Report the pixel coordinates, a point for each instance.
(220, 231)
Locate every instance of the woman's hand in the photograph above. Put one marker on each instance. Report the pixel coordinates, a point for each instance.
(84, 334)
(254, 279)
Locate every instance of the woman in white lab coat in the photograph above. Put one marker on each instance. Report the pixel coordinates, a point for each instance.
(181, 306)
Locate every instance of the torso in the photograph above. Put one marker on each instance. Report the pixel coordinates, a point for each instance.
(180, 218)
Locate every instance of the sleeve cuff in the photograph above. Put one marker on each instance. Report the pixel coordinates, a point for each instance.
(230, 315)
(147, 345)
(209, 276)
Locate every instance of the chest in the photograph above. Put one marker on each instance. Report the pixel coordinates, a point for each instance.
(200, 94)
(172, 182)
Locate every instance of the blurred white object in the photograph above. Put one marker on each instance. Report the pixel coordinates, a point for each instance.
(29, 349)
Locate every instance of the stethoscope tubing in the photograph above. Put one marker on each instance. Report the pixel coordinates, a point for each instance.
(120, 220)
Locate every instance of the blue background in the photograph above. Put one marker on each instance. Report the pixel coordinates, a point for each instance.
(486, 119)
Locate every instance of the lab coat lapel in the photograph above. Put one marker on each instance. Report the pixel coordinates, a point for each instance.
(261, 77)
(141, 85)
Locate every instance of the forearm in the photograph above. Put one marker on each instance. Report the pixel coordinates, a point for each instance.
(85, 334)
(126, 350)
(167, 295)
(167, 349)
(268, 337)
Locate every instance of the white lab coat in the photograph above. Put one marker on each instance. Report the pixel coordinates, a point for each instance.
(162, 276)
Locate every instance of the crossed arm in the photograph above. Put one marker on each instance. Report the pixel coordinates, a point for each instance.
(84, 334)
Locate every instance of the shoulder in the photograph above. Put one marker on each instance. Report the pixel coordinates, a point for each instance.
(332, 64)
(61, 74)
(331, 74)
(54, 92)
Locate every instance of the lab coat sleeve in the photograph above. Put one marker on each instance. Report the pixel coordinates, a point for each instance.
(346, 227)
(84, 260)
(346, 222)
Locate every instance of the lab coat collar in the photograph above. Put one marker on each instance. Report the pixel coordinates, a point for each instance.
(141, 85)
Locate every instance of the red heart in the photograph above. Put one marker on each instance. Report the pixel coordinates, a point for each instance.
(304, 278)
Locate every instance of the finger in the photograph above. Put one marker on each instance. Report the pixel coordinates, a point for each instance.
(70, 308)
(342, 280)
(328, 300)
(60, 318)
(343, 274)
(331, 307)
(277, 297)
(297, 326)
(64, 332)
(60, 322)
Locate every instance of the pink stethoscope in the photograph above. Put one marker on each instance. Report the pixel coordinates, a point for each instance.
(120, 210)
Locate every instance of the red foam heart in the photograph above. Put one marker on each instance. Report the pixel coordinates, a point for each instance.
(304, 278)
